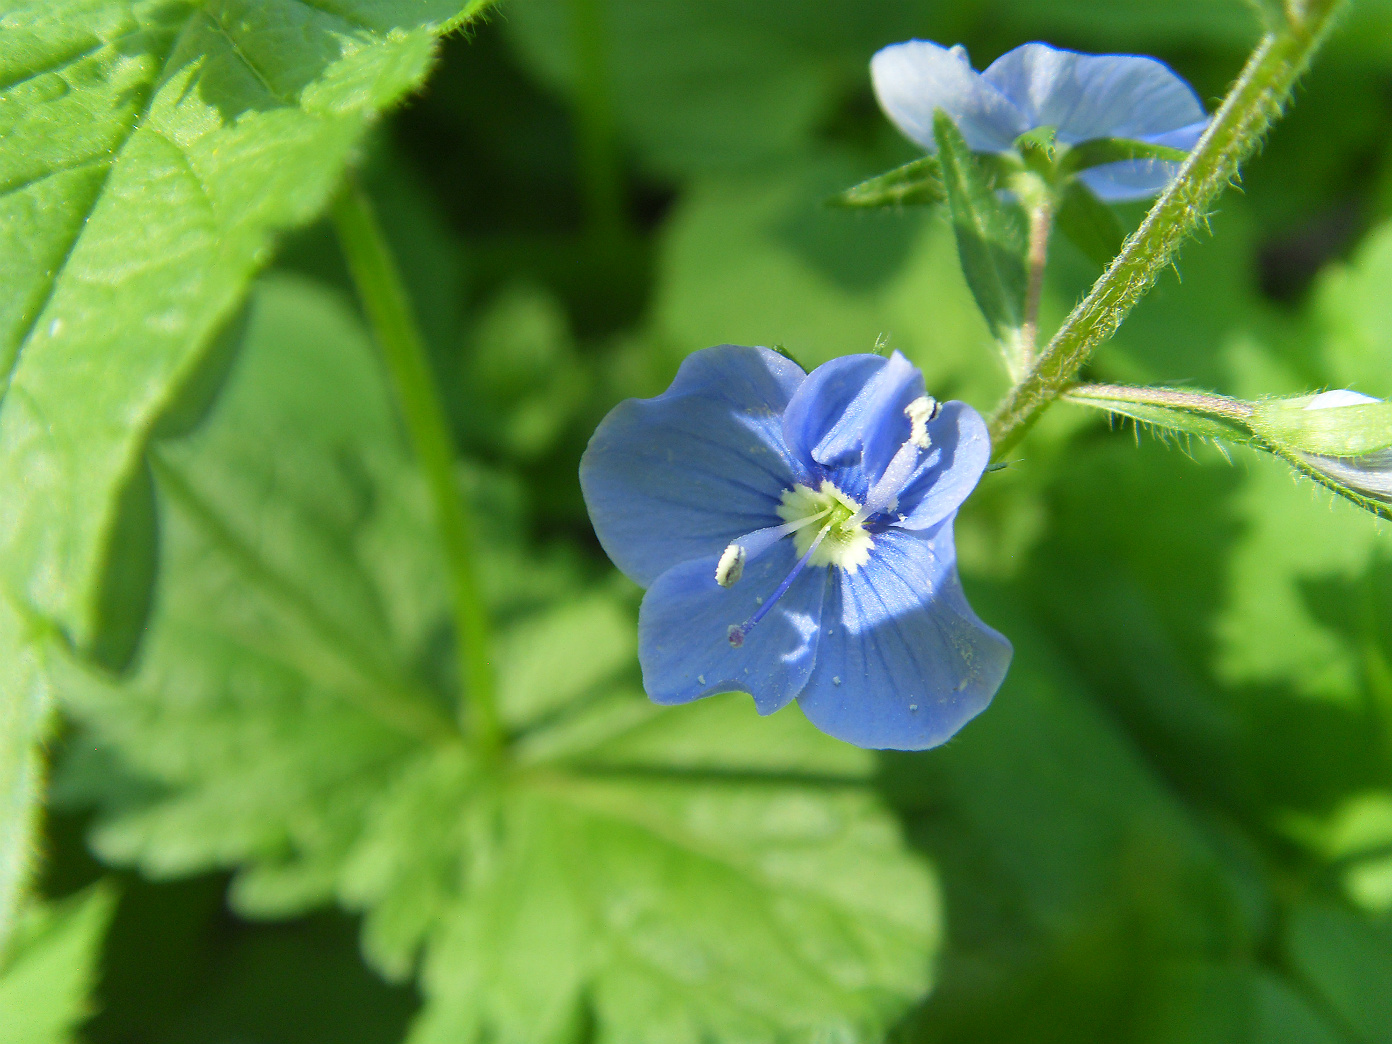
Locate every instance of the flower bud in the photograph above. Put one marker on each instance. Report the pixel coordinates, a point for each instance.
(1343, 437)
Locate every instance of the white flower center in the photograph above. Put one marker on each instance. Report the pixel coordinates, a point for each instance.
(846, 544)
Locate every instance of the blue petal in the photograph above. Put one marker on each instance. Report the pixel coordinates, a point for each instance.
(849, 413)
(1141, 179)
(914, 79)
(679, 476)
(960, 450)
(821, 402)
(684, 626)
(1094, 95)
(902, 661)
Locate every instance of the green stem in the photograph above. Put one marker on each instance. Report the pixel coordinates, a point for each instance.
(1248, 111)
(389, 311)
(1041, 218)
(600, 172)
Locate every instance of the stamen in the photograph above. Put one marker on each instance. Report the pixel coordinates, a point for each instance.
(920, 412)
(737, 632)
(752, 545)
(884, 494)
(731, 565)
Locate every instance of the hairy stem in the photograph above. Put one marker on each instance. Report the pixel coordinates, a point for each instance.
(1041, 219)
(389, 311)
(1248, 111)
(1220, 405)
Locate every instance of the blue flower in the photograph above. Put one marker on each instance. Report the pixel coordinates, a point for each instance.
(1082, 96)
(794, 532)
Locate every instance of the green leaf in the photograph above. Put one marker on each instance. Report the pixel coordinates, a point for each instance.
(990, 234)
(692, 873)
(1092, 225)
(1096, 151)
(1353, 316)
(46, 978)
(915, 183)
(151, 151)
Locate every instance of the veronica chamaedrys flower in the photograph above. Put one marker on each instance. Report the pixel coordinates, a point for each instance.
(794, 532)
(1369, 474)
(1082, 96)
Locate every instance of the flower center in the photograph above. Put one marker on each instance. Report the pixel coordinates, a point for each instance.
(846, 543)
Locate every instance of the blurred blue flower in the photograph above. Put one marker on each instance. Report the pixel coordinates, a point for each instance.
(794, 532)
(1082, 96)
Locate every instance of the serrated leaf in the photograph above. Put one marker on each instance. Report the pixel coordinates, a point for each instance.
(1093, 226)
(694, 873)
(918, 183)
(990, 234)
(46, 978)
(150, 151)
(1097, 151)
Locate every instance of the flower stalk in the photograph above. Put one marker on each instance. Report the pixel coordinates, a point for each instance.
(388, 310)
(1247, 113)
(1041, 219)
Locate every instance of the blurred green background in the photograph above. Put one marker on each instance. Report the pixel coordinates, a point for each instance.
(1175, 822)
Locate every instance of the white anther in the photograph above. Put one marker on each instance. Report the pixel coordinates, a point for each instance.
(920, 412)
(731, 566)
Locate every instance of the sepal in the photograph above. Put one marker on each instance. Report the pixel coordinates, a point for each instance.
(991, 238)
(1172, 410)
(1333, 424)
(1099, 151)
(914, 184)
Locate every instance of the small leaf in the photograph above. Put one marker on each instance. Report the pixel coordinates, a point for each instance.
(1098, 151)
(913, 184)
(46, 978)
(991, 239)
(1092, 226)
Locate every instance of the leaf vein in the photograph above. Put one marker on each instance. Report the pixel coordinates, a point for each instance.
(245, 59)
(141, 115)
